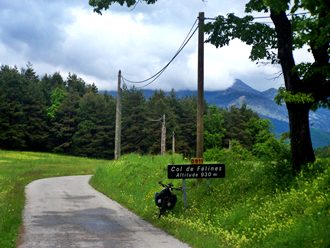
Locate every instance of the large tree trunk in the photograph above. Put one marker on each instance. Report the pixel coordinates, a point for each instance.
(301, 145)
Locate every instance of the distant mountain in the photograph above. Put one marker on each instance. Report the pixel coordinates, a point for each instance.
(262, 102)
(240, 93)
(320, 137)
(270, 93)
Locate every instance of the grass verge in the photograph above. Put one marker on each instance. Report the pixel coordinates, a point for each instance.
(17, 169)
(251, 207)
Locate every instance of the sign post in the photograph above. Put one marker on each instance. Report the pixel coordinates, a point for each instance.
(184, 193)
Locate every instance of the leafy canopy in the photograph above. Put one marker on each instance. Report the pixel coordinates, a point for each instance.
(310, 27)
(100, 5)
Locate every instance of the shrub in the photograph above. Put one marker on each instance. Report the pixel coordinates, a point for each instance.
(323, 152)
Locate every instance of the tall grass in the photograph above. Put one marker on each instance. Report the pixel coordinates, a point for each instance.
(17, 169)
(251, 207)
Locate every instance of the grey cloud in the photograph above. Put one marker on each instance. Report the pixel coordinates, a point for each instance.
(46, 33)
(36, 25)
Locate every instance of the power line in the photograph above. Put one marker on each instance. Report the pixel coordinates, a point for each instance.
(157, 75)
(154, 120)
(262, 17)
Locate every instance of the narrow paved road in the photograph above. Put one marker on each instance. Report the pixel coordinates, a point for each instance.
(68, 212)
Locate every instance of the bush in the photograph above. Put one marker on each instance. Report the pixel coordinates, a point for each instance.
(323, 152)
(236, 152)
(268, 148)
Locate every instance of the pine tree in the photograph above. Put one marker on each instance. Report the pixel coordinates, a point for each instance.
(157, 105)
(186, 132)
(12, 126)
(95, 133)
(65, 123)
(133, 121)
(34, 109)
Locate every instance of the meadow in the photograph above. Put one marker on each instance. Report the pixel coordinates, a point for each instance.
(17, 169)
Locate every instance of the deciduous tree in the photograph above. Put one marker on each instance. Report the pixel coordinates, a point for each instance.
(307, 84)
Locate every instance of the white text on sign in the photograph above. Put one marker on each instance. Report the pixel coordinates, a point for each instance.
(196, 171)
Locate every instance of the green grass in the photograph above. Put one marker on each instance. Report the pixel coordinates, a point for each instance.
(252, 207)
(17, 169)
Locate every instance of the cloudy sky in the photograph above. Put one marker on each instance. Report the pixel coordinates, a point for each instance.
(67, 36)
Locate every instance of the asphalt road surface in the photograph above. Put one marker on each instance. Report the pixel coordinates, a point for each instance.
(68, 212)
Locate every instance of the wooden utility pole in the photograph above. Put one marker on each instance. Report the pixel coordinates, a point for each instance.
(200, 94)
(118, 120)
(173, 142)
(163, 137)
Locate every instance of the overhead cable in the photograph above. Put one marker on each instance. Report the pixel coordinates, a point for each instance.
(157, 75)
(262, 17)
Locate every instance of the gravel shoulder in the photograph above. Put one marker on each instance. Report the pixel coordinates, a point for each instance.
(68, 212)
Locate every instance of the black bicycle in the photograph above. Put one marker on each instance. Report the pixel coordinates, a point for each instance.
(166, 199)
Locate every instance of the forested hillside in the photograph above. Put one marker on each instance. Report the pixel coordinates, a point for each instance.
(69, 116)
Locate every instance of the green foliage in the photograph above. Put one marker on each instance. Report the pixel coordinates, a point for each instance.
(100, 5)
(65, 123)
(133, 123)
(323, 152)
(214, 128)
(248, 208)
(270, 149)
(267, 149)
(181, 119)
(236, 152)
(186, 131)
(23, 120)
(12, 116)
(76, 85)
(95, 131)
(289, 97)
(224, 128)
(34, 109)
(243, 125)
(56, 98)
(260, 36)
